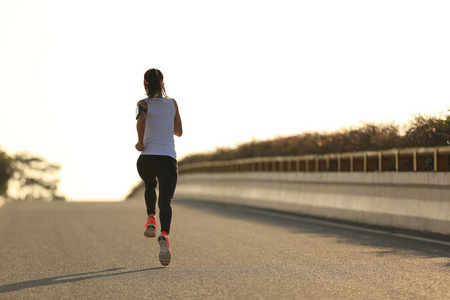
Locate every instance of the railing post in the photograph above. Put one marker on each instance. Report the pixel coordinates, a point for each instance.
(396, 160)
(365, 162)
(415, 160)
(380, 162)
(435, 159)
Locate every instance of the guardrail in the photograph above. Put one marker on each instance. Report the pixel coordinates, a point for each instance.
(435, 159)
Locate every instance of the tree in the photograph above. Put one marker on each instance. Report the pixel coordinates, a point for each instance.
(428, 131)
(34, 178)
(5, 172)
(422, 131)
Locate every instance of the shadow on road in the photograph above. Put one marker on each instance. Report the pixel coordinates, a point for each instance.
(390, 244)
(68, 278)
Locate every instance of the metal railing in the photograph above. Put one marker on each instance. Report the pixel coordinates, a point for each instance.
(435, 159)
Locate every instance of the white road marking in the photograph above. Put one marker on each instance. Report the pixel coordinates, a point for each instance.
(352, 227)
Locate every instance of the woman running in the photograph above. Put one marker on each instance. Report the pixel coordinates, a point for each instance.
(158, 120)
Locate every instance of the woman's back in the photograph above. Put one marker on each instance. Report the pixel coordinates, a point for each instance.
(159, 127)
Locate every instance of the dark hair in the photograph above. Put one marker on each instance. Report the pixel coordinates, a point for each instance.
(153, 80)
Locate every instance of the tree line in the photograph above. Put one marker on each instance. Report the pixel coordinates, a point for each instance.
(421, 131)
(26, 176)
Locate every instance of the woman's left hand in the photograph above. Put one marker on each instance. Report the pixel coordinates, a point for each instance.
(139, 146)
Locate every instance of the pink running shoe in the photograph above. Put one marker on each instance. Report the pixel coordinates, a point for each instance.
(164, 249)
(150, 227)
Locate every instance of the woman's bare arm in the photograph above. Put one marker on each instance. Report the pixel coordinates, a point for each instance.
(140, 126)
(178, 127)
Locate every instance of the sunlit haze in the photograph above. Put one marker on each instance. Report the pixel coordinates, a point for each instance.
(72, 71)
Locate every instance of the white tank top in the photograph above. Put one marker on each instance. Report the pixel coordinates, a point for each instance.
(159, 127)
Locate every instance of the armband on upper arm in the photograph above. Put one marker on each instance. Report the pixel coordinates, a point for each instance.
(139, 110)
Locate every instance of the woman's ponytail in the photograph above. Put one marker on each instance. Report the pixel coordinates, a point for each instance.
(154, 81)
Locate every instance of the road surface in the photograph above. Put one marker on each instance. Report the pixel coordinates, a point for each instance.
(98, 251)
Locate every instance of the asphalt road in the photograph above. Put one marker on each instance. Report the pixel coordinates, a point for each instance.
(98, 251)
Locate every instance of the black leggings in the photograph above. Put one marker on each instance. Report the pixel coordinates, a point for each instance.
(165, 169)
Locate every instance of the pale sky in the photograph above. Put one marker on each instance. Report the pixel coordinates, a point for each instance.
(71, 73)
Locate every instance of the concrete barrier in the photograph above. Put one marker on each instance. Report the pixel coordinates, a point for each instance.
(416, 201)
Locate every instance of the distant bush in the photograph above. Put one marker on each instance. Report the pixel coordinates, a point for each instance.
(34, 178)
(422, 131)
(25, 176)
(6, 172)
